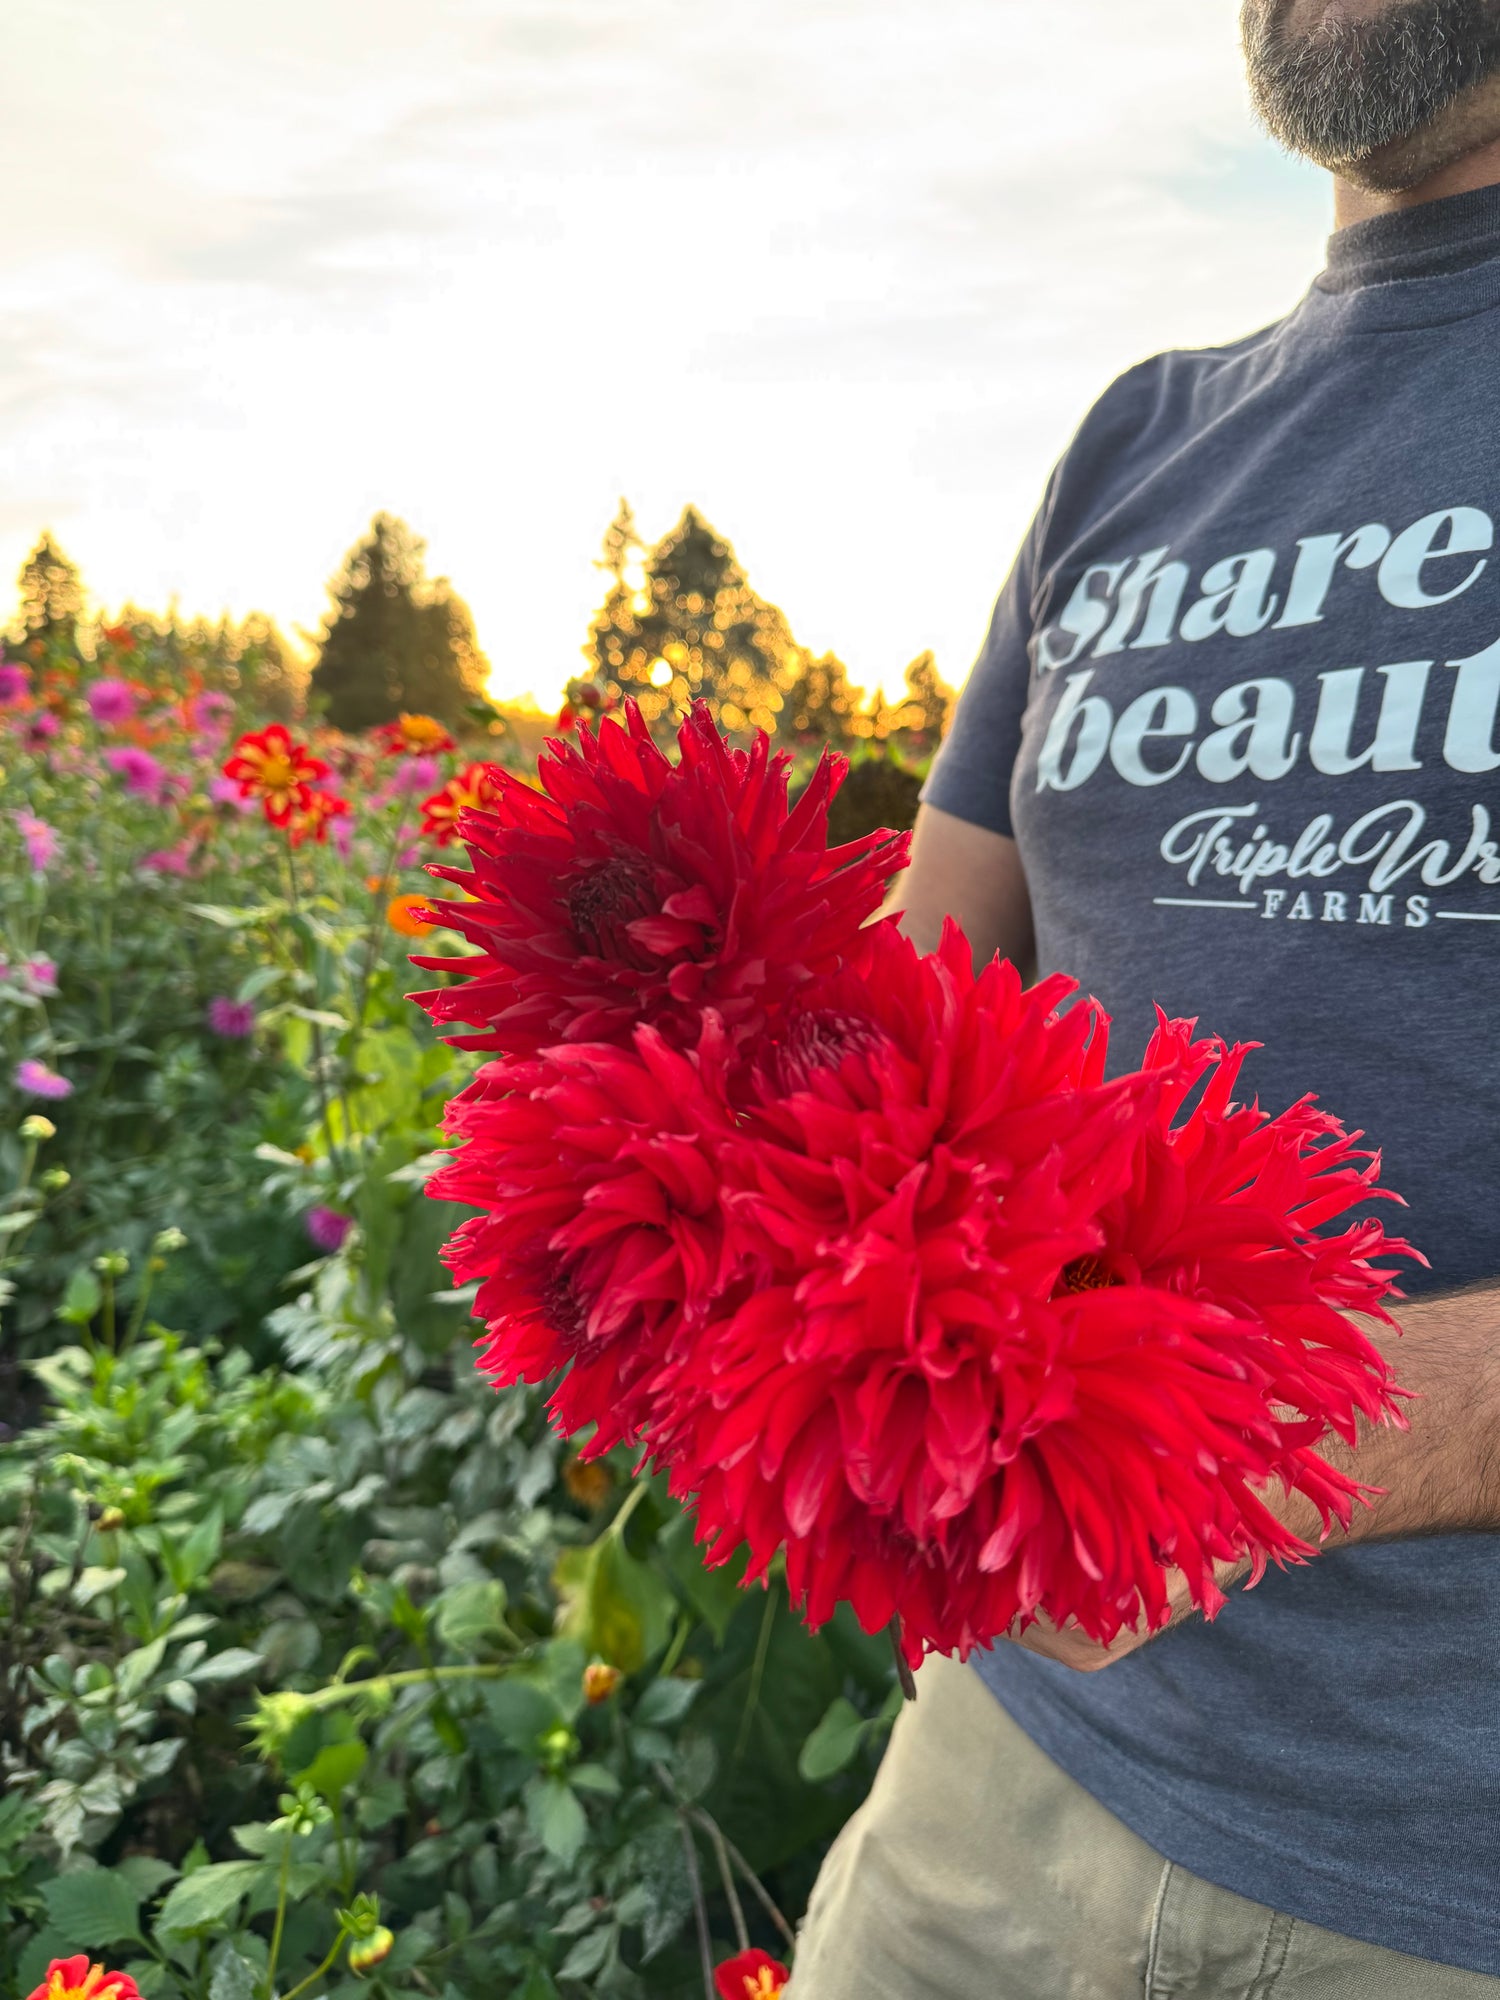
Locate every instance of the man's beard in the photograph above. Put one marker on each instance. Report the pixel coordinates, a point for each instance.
(1350, 89)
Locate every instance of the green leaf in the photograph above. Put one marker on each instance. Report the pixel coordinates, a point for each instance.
(81, 1299)
(233, 1978)
(209, 1894)
(590, 1952)
(233, 1664)
(137, 1668)
(665, 1702)
(95, 1582)
(470, 1615)
(594, 1778)
(521, 1712)
(336, 1767)
(556, 1817)
(95, 1907)
(619, 1608)
(834, 1744)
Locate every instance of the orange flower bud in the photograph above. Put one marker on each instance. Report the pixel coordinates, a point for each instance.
(599, 1682)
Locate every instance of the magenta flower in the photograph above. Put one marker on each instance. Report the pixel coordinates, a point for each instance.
(328, 1228)
(41, 840)
(142, 776)
(176, 860)
(40, 730)
(15, 683)
(111, 702)
(40, 975)
(209, 709)
(225, 792)
(34, 1079)
(418, 776)
(235, 1021)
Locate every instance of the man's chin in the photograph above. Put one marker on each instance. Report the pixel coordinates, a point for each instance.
(1464, 128)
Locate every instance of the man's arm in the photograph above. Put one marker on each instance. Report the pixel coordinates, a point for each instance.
(966, 872)
(1441, 1476)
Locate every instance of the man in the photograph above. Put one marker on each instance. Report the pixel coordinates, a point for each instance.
(1233, 745)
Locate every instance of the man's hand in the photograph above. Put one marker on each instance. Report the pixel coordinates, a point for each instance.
(1070, 1648)
(1439, 1477)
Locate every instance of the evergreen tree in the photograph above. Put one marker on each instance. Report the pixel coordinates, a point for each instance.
(819, 706)
(919, 721)
(695, 630)
(395, 640)
(52, 598)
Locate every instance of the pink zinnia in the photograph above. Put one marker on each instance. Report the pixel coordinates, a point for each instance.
(111, 702)
(142, 775)
(41, 840)
(40, 974)
(34, 1079)
(15, 683)
(234, 1020)
(40, 729)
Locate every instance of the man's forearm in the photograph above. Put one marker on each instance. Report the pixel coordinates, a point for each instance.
(1442, 1475)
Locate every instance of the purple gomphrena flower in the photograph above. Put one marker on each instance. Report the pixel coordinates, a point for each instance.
(15, 683)
(111, 702)
(40, 974)
(233, 1019)
(34, 1079)
(328, 1228)
(143, 777)
(41, 840)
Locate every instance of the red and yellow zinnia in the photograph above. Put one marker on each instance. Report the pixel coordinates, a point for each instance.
(270, 765)
(77, 1979)
(752, 1975)
(472, 787)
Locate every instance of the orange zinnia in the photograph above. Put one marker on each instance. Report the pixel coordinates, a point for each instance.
(414, 736)
(408, 915)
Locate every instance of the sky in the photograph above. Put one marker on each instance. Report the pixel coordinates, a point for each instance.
(845, 274)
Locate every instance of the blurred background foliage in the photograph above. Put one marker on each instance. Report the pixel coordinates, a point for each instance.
(315, 1653)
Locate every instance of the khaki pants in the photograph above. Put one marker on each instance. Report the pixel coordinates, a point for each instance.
(977, 1870)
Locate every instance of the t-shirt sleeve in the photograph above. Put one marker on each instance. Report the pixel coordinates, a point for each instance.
(971, 773)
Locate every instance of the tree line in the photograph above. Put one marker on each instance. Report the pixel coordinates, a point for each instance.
(679, 622)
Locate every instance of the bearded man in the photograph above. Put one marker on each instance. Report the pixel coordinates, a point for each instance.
(1232, 746)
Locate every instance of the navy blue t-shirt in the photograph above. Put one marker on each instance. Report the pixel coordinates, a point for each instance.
(1238, 706)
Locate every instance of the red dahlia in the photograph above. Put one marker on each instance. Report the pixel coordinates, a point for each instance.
(931, 1151)
(1015, 1340)
(631, 889)
(601, 1233)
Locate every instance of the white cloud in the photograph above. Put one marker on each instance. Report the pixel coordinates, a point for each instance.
(844, 272)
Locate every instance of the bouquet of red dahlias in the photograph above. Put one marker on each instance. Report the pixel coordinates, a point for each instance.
(864, 1247)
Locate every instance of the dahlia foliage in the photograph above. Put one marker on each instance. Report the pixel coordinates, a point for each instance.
(863, 1247)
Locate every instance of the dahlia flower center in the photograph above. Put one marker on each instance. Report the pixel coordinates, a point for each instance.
(820, 1040)
(565, 1308)
(1087, 1274)
(276, 774)
(603, 900)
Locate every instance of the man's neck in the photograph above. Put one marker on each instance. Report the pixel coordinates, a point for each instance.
(1478, 169)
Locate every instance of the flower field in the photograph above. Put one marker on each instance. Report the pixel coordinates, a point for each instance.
(324, 1668)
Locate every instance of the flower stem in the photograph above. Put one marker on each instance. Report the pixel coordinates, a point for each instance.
(313, 1977)
(280, 1923)
(904, 1673)
(700, 1908)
